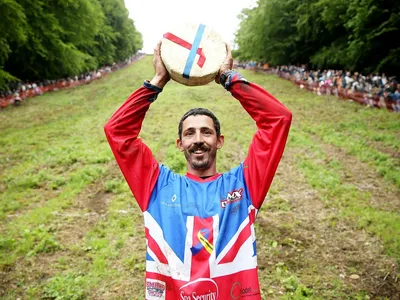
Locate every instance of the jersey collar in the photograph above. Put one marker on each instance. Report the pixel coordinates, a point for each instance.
(199, 179)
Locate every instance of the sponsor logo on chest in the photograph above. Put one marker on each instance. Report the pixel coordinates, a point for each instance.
(200, 289)
(155, 289)
(238, 291)
(234, 196)
(171, 202)
(194, 296)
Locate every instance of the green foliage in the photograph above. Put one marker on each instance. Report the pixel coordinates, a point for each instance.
(118, 37)
(39, 240)
(46, 40)
(277, 203)
(270, 21)
(358, 35)
(10, 13)
(61, 287)
(294, 289)
(114, 186)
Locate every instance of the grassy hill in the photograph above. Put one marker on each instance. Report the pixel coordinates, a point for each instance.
(71, 229)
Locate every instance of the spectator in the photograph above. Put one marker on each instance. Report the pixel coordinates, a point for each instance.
(371, 90)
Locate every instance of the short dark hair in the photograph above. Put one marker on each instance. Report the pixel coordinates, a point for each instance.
(202, 112)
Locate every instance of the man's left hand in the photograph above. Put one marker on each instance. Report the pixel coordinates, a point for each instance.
(226, 65)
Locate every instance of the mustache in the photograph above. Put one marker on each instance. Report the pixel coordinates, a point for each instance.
(198, 146)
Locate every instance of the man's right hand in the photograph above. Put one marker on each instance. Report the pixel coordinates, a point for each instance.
(162, 76)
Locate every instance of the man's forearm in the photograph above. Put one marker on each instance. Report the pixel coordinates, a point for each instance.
(132, 155)
(273, 121)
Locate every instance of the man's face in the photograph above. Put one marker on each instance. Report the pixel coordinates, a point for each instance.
(200, 143)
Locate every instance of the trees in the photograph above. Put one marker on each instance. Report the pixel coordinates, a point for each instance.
(12, 32)
(46, 39)
(373, 43)
(119, 30)
(267, 32)
(358, 35)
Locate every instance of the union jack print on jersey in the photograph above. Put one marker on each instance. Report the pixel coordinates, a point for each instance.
(200, 260)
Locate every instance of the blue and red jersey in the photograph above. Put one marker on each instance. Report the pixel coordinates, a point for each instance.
(200, 234)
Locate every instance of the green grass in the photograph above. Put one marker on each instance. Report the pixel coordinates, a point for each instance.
(323, 174)
(70, 228)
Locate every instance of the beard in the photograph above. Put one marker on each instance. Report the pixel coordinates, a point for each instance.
(202, 160)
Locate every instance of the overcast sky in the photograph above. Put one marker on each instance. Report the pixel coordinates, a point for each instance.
(154, 17)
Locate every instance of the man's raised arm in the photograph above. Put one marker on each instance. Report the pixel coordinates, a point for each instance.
(134, 158)
(273, 121)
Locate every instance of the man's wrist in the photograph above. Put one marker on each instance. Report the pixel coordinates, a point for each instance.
(223, 77)
(159, 81)
(149, 86)
(230, 77)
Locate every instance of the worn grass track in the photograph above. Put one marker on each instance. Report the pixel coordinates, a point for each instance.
(70, 228)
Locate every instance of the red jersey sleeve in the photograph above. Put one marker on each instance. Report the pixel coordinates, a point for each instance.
(134, 158)
(273, 121)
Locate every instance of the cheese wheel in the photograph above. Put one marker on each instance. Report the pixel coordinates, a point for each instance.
(193, 53)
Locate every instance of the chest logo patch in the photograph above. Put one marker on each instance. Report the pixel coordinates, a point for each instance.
(234, 196)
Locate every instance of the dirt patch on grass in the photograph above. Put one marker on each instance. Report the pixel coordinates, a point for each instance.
(326, 252)
(395, 154)
(70, 227)
(384, 196)
(98, 202)
(25, 271)
(88, 208)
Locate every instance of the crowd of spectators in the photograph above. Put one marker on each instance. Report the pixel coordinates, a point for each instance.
(17, 92)
(373, 90)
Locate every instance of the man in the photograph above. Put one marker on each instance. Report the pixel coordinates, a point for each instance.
(200, 226)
